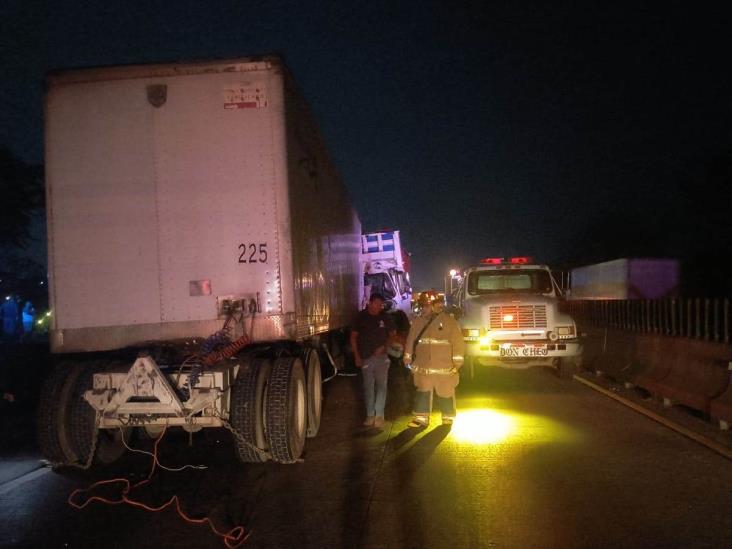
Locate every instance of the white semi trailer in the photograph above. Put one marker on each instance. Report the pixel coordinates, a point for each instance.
(203, 258)
(627, 278)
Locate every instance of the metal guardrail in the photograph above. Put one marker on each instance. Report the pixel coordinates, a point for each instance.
(698, 318)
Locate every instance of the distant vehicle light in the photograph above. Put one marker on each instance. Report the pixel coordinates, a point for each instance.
(485, 342)
(523, 260)
(492, 260)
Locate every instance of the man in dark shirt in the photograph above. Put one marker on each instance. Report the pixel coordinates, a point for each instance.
(370, 336)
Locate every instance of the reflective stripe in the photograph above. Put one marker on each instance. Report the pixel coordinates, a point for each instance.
(434, 371)
(432, 341)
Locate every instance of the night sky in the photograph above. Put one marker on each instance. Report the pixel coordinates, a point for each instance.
(570, 133)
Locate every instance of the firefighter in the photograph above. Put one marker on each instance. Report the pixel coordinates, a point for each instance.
(435, 350)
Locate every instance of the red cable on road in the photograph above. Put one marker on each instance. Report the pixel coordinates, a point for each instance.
(233, 538)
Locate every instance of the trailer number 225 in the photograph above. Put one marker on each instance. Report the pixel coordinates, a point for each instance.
(253, 253)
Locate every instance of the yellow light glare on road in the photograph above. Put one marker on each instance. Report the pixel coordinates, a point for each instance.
(482, 426)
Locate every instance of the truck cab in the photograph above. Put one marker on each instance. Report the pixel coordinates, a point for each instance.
(386, 270)
(510, 316)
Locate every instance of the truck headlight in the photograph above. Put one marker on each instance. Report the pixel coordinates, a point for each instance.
(485, 342)
(565, 332)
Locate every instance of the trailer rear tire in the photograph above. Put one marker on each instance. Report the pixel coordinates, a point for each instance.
(247, 408)
(82, 417)
(314, 376)
(286, 409)
(53, 433)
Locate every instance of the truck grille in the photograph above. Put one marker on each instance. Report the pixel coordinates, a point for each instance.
(524, 316)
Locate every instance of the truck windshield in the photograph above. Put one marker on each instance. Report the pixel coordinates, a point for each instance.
(381, 284)
(524, 280)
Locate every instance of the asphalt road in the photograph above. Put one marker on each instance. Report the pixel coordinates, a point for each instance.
(532, 461)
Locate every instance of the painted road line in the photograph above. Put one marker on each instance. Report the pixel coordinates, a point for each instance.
(11, 485)
(701, 439)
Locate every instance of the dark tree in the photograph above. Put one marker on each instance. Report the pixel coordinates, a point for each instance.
(21, 189)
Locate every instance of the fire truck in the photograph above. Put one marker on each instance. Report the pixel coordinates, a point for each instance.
(510, 317)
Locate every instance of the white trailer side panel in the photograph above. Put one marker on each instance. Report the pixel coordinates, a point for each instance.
(100, 166)
(325, 230)
(634, 278)
(608, 280)
(172, 187)
(218, 172)
(157, 211)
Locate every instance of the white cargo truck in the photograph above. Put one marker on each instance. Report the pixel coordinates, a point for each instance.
(385, 270)
(203, 258)
(509, 313)
(627, 278)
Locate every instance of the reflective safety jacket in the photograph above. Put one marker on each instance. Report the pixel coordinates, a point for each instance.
(440, 349)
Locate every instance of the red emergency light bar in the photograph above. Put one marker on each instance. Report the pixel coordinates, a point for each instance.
(523, 260)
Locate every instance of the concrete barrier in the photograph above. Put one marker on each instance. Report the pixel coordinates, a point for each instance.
(685, 371)
(654, 360)
(695, 382)
(720, 409)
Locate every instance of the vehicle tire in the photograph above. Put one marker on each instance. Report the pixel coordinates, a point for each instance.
(314, 376)
(53, 414)
(286, 410)
(566, 368)
(110, 446)
(247, 408)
